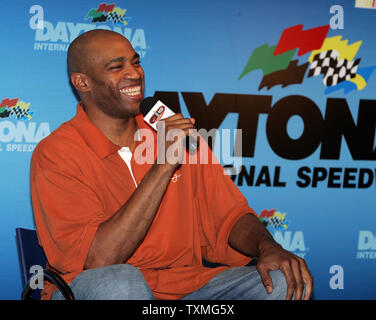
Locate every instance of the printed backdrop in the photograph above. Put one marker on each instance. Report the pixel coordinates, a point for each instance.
(298, 78)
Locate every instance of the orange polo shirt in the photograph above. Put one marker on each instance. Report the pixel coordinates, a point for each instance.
(78, 180)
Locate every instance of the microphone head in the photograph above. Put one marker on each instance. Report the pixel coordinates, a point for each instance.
(147, 104)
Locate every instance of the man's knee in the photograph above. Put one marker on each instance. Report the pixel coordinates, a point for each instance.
(280, 285)
(115, 282)
(128, 282)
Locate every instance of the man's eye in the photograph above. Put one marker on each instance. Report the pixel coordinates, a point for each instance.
(115, 67)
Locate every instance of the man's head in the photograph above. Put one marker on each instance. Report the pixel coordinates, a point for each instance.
(106, 71)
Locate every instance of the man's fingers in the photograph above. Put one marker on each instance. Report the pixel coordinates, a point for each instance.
(266, 279)
(295, 266)
(307, 278)
(180, 133)
(174, 117)
(178, 122)
(290, 279)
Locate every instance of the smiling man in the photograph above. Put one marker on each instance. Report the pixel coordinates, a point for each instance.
(118, 229)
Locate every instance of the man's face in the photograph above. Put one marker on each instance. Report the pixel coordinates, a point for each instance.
(116, 76)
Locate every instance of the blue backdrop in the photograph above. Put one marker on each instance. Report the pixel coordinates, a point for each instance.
(308, 126)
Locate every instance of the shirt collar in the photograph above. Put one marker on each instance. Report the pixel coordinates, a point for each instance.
(93, 137)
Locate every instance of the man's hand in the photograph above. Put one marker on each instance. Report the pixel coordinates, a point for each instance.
(171, 133)
(297, 274)
(250, 237)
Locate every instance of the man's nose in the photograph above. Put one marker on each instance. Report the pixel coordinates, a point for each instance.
(133, 72)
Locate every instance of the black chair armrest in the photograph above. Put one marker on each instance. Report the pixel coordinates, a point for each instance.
(57, 280)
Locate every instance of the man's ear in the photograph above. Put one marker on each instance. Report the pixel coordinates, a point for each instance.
(80, 81)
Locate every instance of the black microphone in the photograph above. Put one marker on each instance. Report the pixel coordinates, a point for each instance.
(154, 110)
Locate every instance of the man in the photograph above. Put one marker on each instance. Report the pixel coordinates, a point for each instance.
(118, 229)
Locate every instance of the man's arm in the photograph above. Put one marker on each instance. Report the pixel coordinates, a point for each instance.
(118, 237)
(250, 237)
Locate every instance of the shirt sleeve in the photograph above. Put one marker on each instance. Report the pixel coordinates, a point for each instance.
(67, 211)
(220, 207)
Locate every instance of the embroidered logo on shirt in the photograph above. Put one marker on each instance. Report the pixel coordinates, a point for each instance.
(175, 177)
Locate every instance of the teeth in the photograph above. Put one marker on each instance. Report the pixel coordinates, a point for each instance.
(133, 91)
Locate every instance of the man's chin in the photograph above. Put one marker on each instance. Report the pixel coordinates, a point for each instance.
(132, 109)
(124, 114)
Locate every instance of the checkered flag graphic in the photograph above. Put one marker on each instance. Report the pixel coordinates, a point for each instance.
(345, 70)
(276, 222)
(334, 70)
(116, 18)
(18, 112)
(322, 62)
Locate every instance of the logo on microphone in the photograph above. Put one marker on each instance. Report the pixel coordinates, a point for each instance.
(157, 115)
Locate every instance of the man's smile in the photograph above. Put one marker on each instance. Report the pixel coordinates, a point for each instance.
(131, 91)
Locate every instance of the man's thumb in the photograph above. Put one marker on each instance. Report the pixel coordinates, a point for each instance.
(266, 280)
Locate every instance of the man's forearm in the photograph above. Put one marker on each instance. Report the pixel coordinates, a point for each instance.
(250, 237)
(118, 237)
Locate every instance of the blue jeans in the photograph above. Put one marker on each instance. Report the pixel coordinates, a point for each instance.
(125, 282)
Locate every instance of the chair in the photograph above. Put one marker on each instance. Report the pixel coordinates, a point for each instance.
(30, 253)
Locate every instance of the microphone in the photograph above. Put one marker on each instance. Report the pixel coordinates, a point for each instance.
(154, 110)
